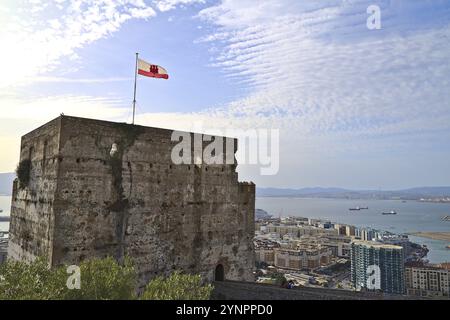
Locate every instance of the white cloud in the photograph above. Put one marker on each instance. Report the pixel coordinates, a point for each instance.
(302, 65)
(21, 114)
(81, 80)
(167, 5)
(36, 36)
(44, 108)
(337, 90)
(35, 40)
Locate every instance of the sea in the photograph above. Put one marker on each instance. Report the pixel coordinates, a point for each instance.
(5, 205)
(412, 216)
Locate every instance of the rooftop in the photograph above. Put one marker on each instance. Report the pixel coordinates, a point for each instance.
(377, 245)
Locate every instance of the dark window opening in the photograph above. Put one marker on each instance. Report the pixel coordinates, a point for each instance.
(219, 274)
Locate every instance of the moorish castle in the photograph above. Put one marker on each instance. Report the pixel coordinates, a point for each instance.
(91, 188)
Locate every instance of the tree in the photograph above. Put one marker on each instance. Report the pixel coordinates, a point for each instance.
(23, 172)
(105, 279)
(101, 279)
(280, 279)
(34, 281)
(177, 287)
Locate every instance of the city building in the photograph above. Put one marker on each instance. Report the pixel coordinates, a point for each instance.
(367, 234)
(326, 225)
(3, 246)
(264, 250)
(367, 256)
(350, 231)
(302, 258)
(266, 255)
(314, 222)
(340, 245)
(341, 229)
(399, 240)
(297, 231)
(427, 281)
(444, 265)
(340, 249)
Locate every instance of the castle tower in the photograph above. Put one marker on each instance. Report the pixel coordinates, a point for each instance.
(93, 188)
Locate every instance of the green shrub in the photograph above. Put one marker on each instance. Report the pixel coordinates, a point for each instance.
(23, 171)
(101, 279)
(105, 279)
(177, 287)
(34, 281)
(280, 279)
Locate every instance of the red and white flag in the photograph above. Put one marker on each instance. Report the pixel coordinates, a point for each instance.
(151, 70)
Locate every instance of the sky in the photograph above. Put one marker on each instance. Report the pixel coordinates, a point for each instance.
(355, 107)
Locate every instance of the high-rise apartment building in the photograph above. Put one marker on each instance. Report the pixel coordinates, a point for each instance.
(377, 266)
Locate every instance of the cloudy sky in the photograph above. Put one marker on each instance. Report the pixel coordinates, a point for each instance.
(356, 108)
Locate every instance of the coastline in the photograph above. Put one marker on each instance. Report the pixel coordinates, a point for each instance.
(414, 216)
(443, 236)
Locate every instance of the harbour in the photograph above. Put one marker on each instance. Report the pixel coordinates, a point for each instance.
(414, 218)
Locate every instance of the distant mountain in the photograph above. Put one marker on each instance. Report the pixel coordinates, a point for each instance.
(273, 192)
(262, 214)
(429, 191)
(6, 181)
(339, 193)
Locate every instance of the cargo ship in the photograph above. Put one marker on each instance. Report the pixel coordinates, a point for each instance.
(358, 208)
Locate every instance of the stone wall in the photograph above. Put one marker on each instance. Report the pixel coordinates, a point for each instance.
(32, 210)
(136, 202)
(232, 290)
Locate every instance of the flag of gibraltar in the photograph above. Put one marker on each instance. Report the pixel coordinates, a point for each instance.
(151, 70)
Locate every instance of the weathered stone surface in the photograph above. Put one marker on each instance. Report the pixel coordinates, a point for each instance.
(99, 188)
(232, 290)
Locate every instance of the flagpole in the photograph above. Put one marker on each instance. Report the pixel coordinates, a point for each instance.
(135, 80)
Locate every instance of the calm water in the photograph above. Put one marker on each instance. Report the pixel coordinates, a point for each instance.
(5, 205)
(411, 216)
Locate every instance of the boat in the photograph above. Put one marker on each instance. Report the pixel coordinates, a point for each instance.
(390, 212)
(448, 247)
(446, 218)
(358, 208)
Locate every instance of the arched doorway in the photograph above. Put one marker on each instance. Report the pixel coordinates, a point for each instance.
(219, 274)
